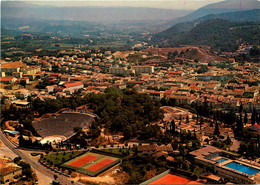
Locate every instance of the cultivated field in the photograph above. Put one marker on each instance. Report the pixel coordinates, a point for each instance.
(91, 163)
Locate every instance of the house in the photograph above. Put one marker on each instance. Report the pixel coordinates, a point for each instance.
(26, 79)
(156, 95)
(7, 80)
(73, 85)
(143, 69)
(50, 88)
(225, 164)
(18, 74)
(60, 94)
(65, 78)
(146, 149)
(10, 97)
(251, 92)
(21, 103)
(11, 67)
(151, 149)
(32, 70)
(23, 94)
(9, 171)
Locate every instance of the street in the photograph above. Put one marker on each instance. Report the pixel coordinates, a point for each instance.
(45, 176)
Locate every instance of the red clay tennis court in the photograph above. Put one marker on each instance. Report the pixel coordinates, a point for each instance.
(100, 165)
(83, 160)
(173, 179)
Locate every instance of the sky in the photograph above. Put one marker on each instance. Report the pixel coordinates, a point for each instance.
(166, 4)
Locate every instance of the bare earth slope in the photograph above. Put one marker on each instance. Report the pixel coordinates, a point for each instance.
(190, 52)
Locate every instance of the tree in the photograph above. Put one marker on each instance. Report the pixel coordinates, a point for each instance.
(27, 172)
(173, 126)
(202, 69)
(194, 135)
(172, 102)
(187, 119)
(240, 125)
(55, 176)
(228, 140)
(22, 141)
(23, 83)
(77, 129)
(17, 159)
(240, 107)
(216, 131)
(245, 118)
(164, 101)
(253, 120)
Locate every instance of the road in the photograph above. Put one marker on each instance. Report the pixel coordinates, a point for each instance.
(40, 170)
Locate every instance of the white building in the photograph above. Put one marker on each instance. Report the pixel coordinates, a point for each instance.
(143, 69)
(121, 70)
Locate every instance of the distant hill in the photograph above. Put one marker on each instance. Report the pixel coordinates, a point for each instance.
(217, 33)
(54, 27)
(92, 14)
(244, 16)
(188, 52)
(239, 16)
(219, 8)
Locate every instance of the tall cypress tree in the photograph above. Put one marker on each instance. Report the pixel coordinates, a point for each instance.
(228, 140)
(257, 118)
(245, 118)
(240, 107)
(216, 131)
(253, 120)
(173, 126)
(194, 135)
(21, 140)
(240, 125)
(187, 119)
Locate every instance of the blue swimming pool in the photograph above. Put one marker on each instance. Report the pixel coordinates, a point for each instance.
(242, 168)
(221, 160)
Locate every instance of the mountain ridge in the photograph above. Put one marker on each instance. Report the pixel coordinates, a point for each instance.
(217, 33)
(218, 8)
(91, 14)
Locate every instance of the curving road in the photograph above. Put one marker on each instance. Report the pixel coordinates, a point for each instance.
(40, 170)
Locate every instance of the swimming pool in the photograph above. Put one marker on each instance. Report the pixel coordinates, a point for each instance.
(242, 168)
(221, 160)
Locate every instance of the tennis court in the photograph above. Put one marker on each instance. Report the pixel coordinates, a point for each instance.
(91, 163)
(173, 179)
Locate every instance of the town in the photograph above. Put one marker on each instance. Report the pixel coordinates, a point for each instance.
(86, 114)
(130, 92)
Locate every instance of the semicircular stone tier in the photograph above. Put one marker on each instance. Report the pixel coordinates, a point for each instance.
(62, 124)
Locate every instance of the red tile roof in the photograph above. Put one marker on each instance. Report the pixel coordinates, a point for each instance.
(8, 169)
(72, 84)
(13, 65)
(6, 79)
(257, 126)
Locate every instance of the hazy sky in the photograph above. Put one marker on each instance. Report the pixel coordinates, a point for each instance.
(168, 4)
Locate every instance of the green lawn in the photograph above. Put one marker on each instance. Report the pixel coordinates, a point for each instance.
(61, 157)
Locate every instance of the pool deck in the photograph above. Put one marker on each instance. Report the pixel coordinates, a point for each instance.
(222, 165)
(219, 157)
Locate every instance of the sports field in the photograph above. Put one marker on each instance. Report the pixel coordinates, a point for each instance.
(91, 163)
(100, 165)
(173, 179)
(84, 160)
